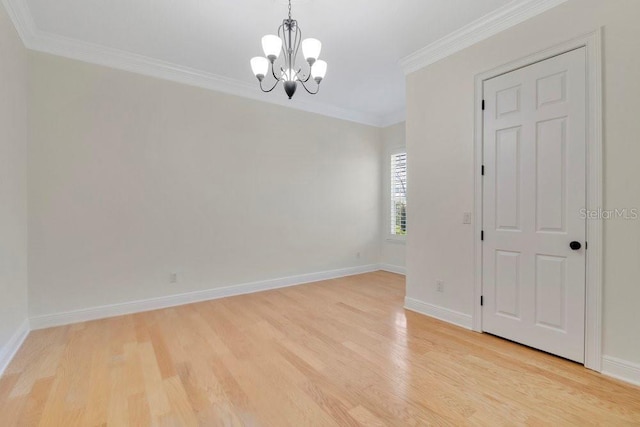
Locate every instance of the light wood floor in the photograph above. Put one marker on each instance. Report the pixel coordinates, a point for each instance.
(341, 352)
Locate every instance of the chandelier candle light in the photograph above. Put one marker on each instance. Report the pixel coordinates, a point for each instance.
(288, 43)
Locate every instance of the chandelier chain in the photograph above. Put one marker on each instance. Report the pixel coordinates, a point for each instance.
(289, 9)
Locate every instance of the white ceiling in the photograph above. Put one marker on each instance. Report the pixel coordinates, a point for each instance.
(363, 40)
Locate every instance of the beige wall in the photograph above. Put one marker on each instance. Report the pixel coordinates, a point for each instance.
(440, 119)
(392, 252)
(132, 178)
(13, 182)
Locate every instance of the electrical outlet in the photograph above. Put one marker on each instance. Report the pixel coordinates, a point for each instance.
(466, 218)
(173, 278)
(440, 286)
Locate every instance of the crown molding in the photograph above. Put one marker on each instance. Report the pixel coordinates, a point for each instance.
(139, 64)
(499, 20)
(20, 15)
(54, 44)
(393, 118)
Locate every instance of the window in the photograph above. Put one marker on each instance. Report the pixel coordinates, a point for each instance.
(399, 194)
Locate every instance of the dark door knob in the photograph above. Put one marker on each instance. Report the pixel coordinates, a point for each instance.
(575, 245)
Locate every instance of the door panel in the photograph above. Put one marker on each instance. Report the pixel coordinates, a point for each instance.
(508, 284)
(507, 188)
(534, 152)
(550, 170)
(551, 289)
(508, 101)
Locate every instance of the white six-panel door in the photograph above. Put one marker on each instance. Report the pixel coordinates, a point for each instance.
(534, 187)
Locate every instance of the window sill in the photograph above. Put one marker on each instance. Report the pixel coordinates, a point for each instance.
(396, 240)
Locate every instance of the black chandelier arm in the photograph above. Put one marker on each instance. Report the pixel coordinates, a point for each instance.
(303, 79)
(272, 87)
(297, 43)
(273, 71)
(307, 89)
(291, 36)
(281, 35)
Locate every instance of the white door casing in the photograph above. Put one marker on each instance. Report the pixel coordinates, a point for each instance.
(534, 187)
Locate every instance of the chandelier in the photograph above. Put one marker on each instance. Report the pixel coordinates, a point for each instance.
(288, 42)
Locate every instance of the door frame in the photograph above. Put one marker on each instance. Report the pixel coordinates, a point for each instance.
(592, 42)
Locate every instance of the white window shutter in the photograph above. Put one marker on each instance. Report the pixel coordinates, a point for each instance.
(398, 194)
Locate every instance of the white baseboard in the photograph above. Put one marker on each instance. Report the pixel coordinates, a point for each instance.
(101, 312)
(611, 366)
(13, 345)
(621, 369)
(394, 269)
(441, 313)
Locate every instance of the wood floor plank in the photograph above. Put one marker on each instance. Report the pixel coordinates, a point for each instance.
(32, 412)
(339, 352)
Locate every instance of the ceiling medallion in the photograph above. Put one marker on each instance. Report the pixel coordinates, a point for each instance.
(288, 42)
